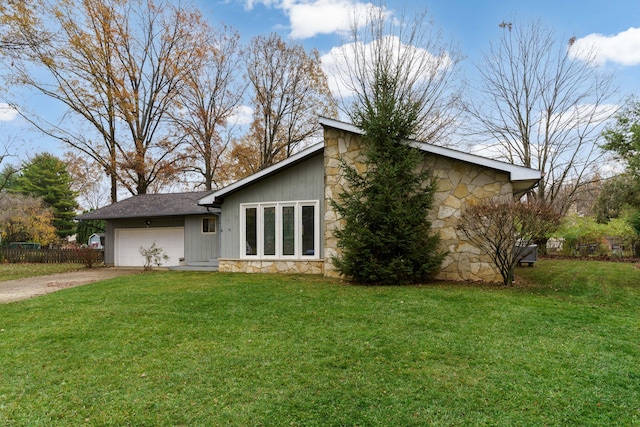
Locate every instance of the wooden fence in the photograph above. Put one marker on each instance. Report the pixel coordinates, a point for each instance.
(51, 256)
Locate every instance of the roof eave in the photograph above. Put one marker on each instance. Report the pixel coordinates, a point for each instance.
(516, 173)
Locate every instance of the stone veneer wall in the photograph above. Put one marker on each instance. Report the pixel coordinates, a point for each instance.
(275, 266)
(458, 183)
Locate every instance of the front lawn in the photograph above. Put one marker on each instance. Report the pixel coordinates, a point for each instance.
(205, 349)
(10, 271)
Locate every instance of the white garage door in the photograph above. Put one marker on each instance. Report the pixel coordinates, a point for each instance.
(129, 240)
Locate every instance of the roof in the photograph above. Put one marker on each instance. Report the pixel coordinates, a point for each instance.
(310, 151)
(522, 178)
(151, 205)
(516, 173)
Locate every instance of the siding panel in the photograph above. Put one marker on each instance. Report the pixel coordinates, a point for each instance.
(200, 246)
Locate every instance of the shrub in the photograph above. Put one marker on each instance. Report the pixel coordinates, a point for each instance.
(153, 255)
(89, 256)
(505, 227)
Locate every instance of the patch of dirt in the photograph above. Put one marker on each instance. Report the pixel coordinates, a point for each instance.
(29, 287)
(63, 285)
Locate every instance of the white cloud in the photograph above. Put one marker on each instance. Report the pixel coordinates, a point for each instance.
(242, 116)
(622, 48)
(7, 113)
(325, 17)
(490, 151)
(583, 114)
(310, 18)
(340, 59)
(333, 66)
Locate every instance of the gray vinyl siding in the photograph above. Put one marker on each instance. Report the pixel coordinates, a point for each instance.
(303, 181)
(199, 246)
(112, 225)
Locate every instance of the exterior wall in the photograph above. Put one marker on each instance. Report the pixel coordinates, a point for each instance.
(199, 246)
(458, 184)
(303, 181)
(112, 225)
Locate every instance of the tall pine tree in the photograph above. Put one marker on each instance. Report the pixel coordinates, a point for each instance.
(399, 73)
(46, 177)
(387, 238)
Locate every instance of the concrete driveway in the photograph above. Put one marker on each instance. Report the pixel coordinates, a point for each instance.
(15, 290)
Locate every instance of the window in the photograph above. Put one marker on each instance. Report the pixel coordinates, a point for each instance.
(209, 225)
(283, 230)
(269, 227)
(251, 231)
(288, 231)
(308, 232)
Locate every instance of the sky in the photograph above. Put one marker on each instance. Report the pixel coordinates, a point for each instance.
(613, 26)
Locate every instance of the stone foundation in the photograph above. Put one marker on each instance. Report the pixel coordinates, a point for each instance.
(271, 266)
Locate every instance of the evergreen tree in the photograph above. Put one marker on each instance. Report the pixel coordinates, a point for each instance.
(387, 238)
(46, 177)
(399, 73)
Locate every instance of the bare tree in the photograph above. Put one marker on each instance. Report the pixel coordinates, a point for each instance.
(542, 108)
(87, 180)
(210, 97)
(9, 171)
(117, 66)
(411, 51)
(290, 91)
(504, 228)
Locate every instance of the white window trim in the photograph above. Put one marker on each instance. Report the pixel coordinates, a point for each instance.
(216, 222)
(297, 205)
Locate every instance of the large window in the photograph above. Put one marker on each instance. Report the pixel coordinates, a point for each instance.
(280, 230)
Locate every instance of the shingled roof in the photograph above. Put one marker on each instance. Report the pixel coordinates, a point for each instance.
(151, 205)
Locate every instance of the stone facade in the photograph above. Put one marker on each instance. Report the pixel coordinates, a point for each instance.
(267, 266)
(458, 184)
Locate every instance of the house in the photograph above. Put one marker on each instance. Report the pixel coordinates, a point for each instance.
(175, 222)
(280, 219)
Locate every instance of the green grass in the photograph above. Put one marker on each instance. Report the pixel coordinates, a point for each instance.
(206, 349)
(19, 271)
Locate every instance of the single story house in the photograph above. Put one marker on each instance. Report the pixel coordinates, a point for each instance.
(281, 220)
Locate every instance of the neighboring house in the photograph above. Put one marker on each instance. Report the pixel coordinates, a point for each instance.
(96, 241)
(280, 219)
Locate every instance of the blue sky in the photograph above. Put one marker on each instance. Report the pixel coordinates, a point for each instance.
(613, 26)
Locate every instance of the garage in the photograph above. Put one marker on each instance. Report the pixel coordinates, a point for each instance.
(129, 241)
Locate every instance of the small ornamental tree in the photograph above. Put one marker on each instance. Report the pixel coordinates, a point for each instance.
(505, 227)
(25, 219)
(153, 255)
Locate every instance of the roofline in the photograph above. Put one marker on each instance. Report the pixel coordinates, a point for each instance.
(307, 152)
(527, 176)
(517, 173)
(212, 210)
